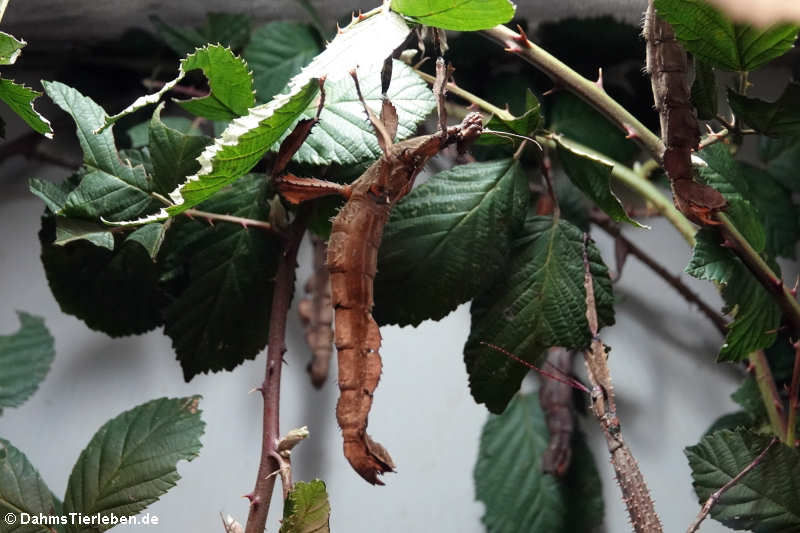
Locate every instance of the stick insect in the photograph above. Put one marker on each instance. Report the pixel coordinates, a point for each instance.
(353, 251)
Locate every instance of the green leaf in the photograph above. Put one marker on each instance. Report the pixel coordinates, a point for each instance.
(343, 135)
(25, 358)
(20, 99)
(773, 203)
(109, 188)
(74, 229)
(710, 36)
(782, 157)
(228, 29)
(277, 51)
(448, 240)
(218, 320)
(307, 509)
(577, 120)
(583, 489)
(150, 237)
(738, 419)
(525, 124)
(509, 480)
(748, 396)
(22, 490)
(765, 499)
(459, 15)
(537, 303)
(592, 176)
(53, 194)
(10, 48)
(756, 314)
(112, 291)
(173, 154)
(775, 119)
(131, 460)
(704, 90)
(139, 134)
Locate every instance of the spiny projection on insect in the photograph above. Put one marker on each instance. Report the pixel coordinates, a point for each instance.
(353, 252)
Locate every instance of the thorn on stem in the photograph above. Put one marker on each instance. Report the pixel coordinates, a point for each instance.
(630, 133)
(522, 38)
(599, 81)
(252, 497)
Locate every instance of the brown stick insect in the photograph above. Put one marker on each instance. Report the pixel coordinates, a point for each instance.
(353, 252)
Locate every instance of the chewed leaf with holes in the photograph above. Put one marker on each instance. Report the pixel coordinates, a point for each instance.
(766, 499)
(131, 460)
(539, 302)
(20, 99)
(228, 77)
(343, 135)
(363, 43)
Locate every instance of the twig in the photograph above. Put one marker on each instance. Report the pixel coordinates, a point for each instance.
(246, 222)
(555, 398)
(587, 90)
(712, 500)
(271, 461)
(794, 390)
(608, 225)
(185, 90)
(763, 273)
(635, 493)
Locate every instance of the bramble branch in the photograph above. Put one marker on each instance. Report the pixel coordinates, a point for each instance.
(271, 461)
(714, 498)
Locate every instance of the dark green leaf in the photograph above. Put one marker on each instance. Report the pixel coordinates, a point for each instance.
(25, 358)
(780, 118)
(738, 419)
(20, 99)
(748, 396)
(74, 229)
(22, 490)
(592, 176)
(448, 240)
(710, 36)
(463, 15)
(219, 319)
(139, 134)
(583, 489)
(509, 480)
(756, 314)
(227, 29)
(773, 203)
(537, 303)
(577, 120)
(704, 90)
(574, 205)
(525, 124)
(109, 188)
(10, 48)
(150, 237)
(112, 291)
(782, 157)
(173, 154)
(131, 460)
(766, 499)
(277, 51)
(307, 509)
(53, 194)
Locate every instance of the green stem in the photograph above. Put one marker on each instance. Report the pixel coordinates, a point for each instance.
(469, 97)
(587, 90)
(769, 393)
(761, 270)
(794, 390)
(3, 6)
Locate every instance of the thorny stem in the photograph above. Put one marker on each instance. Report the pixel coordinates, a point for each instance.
(246, 222)
(271, 387)
(714, 498)
(794, 390)
(605, 222)
(761, 270)
(769, 392)
(587, 90)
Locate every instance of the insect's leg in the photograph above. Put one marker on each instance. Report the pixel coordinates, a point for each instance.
(385, 126)
(443, 74)
(296, 189)
(291, 144)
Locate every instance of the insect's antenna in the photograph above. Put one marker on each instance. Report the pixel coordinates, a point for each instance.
(574, 383)
(511, 135)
